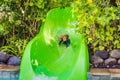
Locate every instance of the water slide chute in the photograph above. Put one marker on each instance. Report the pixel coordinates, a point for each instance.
(43, 59)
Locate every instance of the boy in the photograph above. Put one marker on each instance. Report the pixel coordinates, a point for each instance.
(64, 39)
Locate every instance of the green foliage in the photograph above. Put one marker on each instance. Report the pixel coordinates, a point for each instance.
(97, 22)
(20, 21)
(15, 48)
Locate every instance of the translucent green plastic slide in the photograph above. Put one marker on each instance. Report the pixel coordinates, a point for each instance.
(43, 59)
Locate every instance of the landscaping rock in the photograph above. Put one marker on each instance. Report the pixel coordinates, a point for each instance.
(115, 53)
(102, 54)
(116, 66)
(2, 63)
(3, 57)
(119, 61)
(96, 60)
(102, 66)
(14, 61)
(110, 61)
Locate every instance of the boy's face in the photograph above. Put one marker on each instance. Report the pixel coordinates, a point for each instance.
(64, 38)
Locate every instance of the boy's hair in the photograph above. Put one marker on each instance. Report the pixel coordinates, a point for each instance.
(66, 35)
(61, 37)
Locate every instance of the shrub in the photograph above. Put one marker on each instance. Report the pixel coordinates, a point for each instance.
(99, 22)
(20, 21)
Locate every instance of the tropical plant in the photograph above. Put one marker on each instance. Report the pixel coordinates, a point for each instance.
(20, 21)
(99, 22)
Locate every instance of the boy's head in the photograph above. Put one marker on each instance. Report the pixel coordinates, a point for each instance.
(65, 37)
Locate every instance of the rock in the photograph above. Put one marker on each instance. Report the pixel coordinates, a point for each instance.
(14, 61)
(2, 63)
(3, 57)
(115, 53)
(96, 60)
(119, 61)
(110, 61)
(116, 66)
(92, 65)
(102, 54)
(102, 66)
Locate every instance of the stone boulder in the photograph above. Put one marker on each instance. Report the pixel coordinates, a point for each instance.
(102, 54)
(116, 66)
(14, 61)
(115, 53)
(110, 61)
(2, 63)
(102, 66)
(3, 57)
(119, 61)
(96, 60)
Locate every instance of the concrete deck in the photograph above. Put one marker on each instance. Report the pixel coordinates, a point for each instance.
(104, 74)
(8, 72)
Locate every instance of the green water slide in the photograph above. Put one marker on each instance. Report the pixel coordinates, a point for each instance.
(43, 59)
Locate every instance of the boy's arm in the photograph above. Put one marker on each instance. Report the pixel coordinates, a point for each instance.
(60, 42)
(67, 43)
